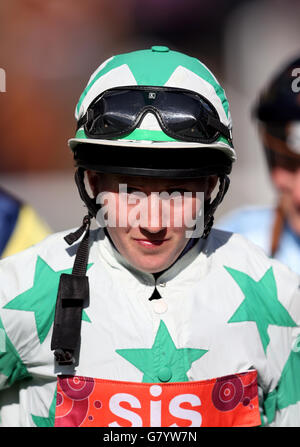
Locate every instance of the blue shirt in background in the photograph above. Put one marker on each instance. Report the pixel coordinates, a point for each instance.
(256, 223)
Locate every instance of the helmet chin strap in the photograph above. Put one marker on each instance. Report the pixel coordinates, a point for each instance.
(73, 290)
(72, 296)
(89, 201)
(210, 208)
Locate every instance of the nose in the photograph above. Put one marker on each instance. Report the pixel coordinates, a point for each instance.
(152, 220)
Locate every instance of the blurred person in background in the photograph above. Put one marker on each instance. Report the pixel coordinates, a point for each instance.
(277, 229)
(20, 225)
(20, 228)
(150, 325)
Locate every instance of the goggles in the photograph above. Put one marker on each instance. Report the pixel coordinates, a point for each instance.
(182, 114)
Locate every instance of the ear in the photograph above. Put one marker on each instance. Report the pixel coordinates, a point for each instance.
(212, 180)
(94, 182)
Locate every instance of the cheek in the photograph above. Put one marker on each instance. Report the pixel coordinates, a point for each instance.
(121, 211)
(191, 207)
(117, 235)
(114, 209)
(183, 212)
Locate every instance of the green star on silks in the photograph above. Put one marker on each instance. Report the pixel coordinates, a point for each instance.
(46, 421)
(41, 297)
(163, 355)
(261, 303)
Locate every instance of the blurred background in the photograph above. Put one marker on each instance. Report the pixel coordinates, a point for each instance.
(49, 49)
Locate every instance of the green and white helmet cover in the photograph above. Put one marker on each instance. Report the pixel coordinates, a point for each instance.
(157, 66)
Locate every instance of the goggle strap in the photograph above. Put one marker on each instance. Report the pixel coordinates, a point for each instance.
(89, 115)
(82, 121)
(216, 124)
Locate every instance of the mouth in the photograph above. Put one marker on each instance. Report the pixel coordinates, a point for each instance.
(151, 243)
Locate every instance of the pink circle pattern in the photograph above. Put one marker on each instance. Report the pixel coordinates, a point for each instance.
(227, 394)
(79, 391)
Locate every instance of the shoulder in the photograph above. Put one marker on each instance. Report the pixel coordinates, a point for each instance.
(29, 282)
(237, 253)
(48, 244)
(17, 271)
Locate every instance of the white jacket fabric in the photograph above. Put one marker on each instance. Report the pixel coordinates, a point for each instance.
(224, 302)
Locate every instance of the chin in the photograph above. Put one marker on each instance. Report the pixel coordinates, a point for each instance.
(151, 267)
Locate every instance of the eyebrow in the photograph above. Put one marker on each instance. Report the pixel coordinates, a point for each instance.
(126, 179)
(138, 182)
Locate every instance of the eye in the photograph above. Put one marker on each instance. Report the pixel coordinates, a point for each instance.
(181, 191)
(133, 190)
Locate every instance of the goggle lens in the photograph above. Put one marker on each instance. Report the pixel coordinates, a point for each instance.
(181, 114)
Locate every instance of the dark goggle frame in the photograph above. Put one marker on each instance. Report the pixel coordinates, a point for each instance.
(182, 114)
